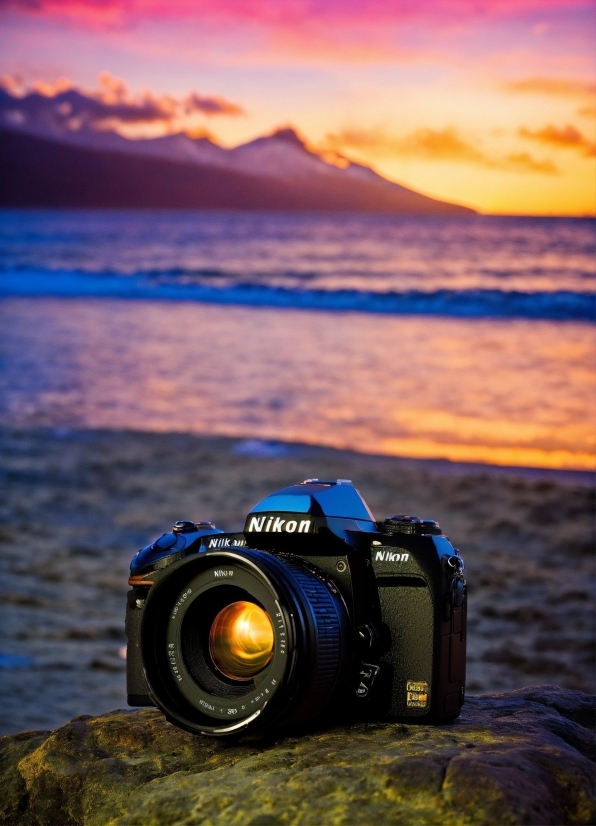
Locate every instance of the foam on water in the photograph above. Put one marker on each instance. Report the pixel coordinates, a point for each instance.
(560, 304)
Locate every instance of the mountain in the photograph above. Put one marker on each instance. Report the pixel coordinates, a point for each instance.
(53, 154)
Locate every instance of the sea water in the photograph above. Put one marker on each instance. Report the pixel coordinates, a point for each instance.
(468, 339)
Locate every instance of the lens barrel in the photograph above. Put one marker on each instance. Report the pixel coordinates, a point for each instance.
(244, 640)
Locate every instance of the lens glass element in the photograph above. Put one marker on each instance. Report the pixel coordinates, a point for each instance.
(241, 640)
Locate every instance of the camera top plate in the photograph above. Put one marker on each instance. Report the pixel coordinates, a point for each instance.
(317, 497)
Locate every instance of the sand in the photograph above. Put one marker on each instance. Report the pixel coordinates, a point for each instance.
(76, 506)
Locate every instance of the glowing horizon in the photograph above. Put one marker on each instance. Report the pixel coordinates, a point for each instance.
(489, 104)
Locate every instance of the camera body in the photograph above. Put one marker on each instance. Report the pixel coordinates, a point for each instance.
(362, 619)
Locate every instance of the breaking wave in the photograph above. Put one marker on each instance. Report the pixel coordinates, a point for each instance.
(169, 286)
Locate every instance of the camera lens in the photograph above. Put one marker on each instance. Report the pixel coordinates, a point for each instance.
(241, 640)
(244, 640)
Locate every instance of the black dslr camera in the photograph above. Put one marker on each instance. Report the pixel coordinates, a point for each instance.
(315, 609)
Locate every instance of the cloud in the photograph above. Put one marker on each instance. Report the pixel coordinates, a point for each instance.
(445, 144)
(525, 163)
(350, 29)
(566, 138)
(433, 145)
(553, 87)
(61, 106)
(210, 105)
(278, 12)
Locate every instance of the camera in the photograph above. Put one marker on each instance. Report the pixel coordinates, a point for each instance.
(314, 611)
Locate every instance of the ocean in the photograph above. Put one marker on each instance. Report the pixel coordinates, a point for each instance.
(468, 339)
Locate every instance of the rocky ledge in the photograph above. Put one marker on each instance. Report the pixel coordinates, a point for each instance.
(523, 757)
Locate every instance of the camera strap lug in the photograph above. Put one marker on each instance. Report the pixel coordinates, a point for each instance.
(454, 570)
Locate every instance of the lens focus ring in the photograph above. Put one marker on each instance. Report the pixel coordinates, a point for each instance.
(327, 639)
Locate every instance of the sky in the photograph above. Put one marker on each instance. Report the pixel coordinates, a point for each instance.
(487, 103)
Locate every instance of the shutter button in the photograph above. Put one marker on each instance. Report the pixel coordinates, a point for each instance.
(184, 526)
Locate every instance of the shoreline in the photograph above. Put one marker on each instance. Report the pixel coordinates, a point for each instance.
(263, 448)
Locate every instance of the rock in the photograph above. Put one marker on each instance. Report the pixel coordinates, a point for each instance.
(524, 757)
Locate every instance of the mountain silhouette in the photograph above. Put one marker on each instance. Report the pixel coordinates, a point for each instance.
(53, 154)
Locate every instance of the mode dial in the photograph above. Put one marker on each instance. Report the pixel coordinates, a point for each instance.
(402, 523)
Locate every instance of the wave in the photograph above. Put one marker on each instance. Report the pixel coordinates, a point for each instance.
(559, 305)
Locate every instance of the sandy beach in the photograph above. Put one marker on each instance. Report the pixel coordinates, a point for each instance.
(77, 504)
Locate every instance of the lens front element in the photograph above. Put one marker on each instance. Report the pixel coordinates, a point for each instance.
(241, 640)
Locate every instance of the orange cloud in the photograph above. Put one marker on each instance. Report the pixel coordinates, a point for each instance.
(554, 87)
(445, 144)
(210, 105)
(114, 93)
(434, 145)
(567, 138)
(525, 163)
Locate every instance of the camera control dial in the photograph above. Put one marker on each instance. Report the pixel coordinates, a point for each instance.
(402, 523)
(186, 526)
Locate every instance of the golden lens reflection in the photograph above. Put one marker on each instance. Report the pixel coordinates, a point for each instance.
(241, 640)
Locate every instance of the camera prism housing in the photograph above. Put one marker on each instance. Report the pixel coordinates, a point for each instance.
(314, 610)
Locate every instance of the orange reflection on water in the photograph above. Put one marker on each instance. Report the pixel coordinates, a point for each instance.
(508, 392)
(487, 454)
(498, 441)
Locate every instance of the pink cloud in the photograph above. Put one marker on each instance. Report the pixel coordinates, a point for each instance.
(280, 14)
(323, 31)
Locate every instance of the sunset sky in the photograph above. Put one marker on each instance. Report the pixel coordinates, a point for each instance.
(489, 103)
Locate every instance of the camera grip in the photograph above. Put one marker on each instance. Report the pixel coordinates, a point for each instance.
(136, 684)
